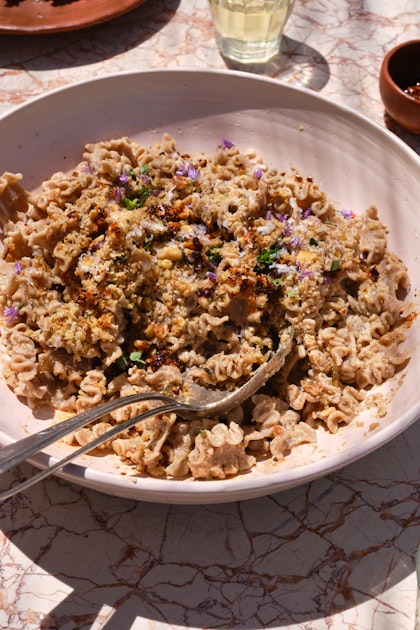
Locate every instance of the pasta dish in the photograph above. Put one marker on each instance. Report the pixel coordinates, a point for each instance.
(144, 264)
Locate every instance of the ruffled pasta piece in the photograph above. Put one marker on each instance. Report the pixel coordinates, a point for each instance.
(219, 453)
(144, 448)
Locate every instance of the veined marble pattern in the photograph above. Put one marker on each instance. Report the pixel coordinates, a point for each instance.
(338, 553)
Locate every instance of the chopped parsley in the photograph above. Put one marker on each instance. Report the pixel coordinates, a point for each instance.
(213, 254)
(137, 200)
(148, 241)
(266, 258)
(131, 204)
(133, 359)
(335, 265)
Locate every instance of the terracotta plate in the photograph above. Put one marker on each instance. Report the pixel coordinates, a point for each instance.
(24, 17)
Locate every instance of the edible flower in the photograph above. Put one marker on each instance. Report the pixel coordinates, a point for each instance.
(86, 167)
(18, 267)
(227, 144)
(10, 314)
(211, 276)
(123, 179)
(304, 274)
(119, 193)
(188, 170)
(307, 213)
(295, 241)
(347, 214)
(283, 218)
(258, 173)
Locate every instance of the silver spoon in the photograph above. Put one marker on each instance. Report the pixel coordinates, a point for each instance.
(201, 403)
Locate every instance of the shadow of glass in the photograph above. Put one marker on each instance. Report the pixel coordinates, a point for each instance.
(295, 61)
(89, 45)
(296, 556)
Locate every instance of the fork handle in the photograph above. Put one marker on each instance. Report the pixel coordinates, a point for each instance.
(173, 406)
(17, 452)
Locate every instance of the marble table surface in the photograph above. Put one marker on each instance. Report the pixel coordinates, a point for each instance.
(337, 553)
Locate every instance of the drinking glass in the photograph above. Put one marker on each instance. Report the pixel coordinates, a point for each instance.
(250, 31)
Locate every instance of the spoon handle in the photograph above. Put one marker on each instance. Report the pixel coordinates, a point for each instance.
(119, 428)
(17, 452)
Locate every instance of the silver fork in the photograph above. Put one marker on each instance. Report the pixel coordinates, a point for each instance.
(202, 403)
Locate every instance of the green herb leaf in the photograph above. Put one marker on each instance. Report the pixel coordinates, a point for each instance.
(277, 282)
(313, 241)
(148, 241)
(137, 200)
(131, 204)
(121, 258)
(213, 254)
(135, 358)
(335, 265)
(144, 169)
(266, 258)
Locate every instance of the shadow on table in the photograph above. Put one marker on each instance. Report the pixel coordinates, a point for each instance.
(296, 61)
(89, 45)
(412, 139)
(294, 557)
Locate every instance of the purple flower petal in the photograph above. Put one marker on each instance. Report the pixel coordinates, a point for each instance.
(307, 213)
(268, 215)
(18, 267)
(258, 173)
(287, 229)
(188, 170)
(347, 214)
(11, 313)
(294, 241)
(119, 193)
(227, 144)
(210, 275)
(123, 179)
(283, 219)
(183, 171)
(305, 274)
(193, 173)
(86, 167)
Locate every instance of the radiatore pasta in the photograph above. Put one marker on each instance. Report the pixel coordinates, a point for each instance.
(145, 264)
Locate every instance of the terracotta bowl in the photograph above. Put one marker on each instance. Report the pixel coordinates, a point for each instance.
(400, 70)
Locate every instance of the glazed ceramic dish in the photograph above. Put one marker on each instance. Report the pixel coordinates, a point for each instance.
(52, 16)
(354, 161)
(400, 72)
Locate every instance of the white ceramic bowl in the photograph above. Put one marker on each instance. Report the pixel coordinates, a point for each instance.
(353, 160)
